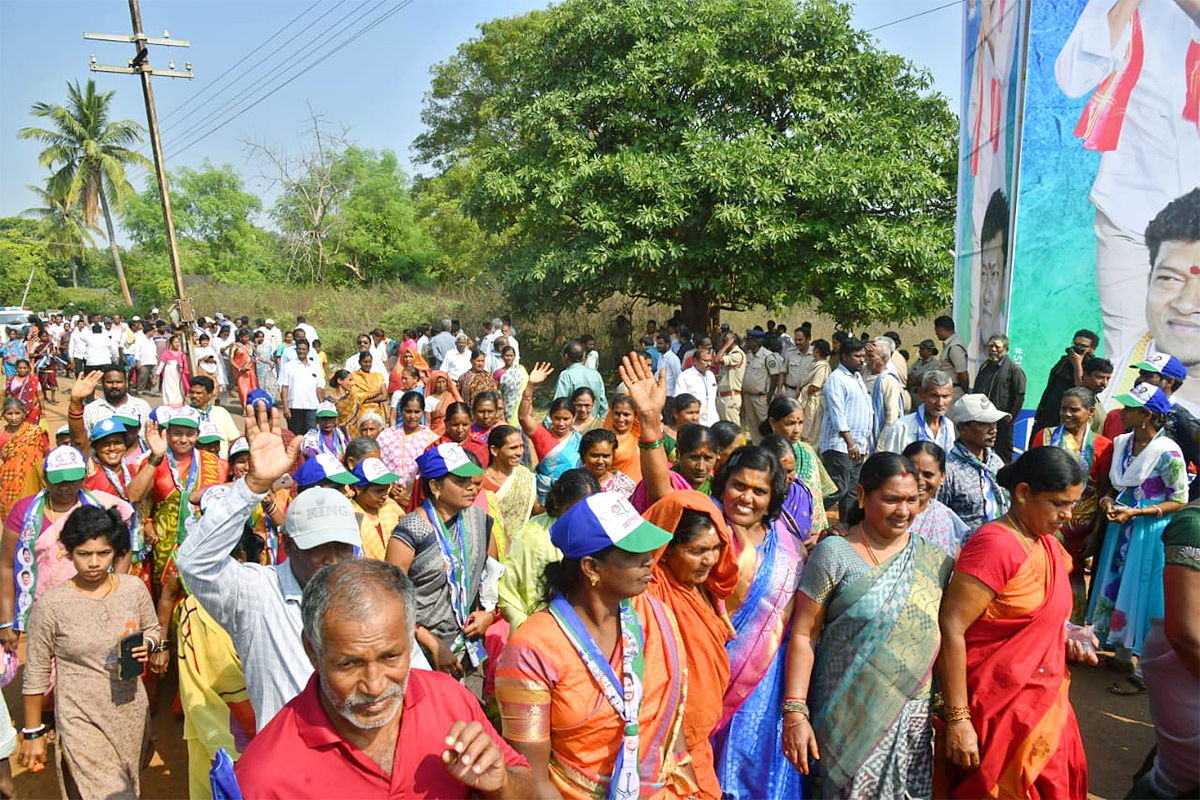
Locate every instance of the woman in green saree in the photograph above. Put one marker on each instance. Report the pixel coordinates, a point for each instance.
(871, 598)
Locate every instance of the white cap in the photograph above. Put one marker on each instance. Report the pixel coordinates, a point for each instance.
(320, 516)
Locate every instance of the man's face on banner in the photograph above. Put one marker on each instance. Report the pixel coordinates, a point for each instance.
(991, 285)
(1173, 301)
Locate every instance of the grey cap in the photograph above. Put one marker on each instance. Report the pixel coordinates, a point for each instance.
(320, 516)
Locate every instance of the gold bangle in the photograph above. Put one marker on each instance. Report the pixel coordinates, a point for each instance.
(957, 714)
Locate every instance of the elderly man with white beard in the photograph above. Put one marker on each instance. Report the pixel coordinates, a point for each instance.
(366, 725)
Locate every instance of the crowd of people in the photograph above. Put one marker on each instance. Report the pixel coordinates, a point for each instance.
(768, 565)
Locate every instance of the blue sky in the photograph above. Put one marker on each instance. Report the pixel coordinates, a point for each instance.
(374, 86)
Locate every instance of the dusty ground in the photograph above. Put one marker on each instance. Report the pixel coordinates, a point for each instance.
(1117, 732)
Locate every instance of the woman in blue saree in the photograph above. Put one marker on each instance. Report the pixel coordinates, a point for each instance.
(872, 600)
(557, 448)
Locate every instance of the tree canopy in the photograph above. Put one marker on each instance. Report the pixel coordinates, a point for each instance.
(726, 153)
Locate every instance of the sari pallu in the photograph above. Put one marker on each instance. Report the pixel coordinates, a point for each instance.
(1018, 684)
(419, 362)
(748, 740)
(512, 385)
(21, 473)
(626, 458)
(171, 509)
(44, 356)
(563, 457)
(874, 669)
(365, 384)
(243, 362)
(546, 693)
(700, 612)
(515, 500)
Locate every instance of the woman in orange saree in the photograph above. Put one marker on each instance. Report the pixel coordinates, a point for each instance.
(1010, 730)
(622, 420)
(409, 357)
(694, 575)
(440, 392)
(22, 448)
(591, 728)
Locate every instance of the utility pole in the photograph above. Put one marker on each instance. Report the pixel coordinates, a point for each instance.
(140, 65)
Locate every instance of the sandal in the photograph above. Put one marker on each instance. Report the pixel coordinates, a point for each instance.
(1128, 687)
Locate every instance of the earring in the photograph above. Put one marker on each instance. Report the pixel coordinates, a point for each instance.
(593, 580)
(1021, 500)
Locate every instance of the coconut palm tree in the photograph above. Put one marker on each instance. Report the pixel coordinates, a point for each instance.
(88, 154)
(67, 235)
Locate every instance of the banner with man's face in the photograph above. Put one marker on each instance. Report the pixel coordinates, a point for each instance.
(1110, 147)
(993, 36)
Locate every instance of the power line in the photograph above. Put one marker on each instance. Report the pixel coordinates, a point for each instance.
(334, 49)
(914, 16)
(238, 62)
(289, 63)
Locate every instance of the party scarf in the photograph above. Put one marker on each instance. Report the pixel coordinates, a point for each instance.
(624, 695)
(1086, 450)
(120, 484)
(31, 528)
(185, 491)
(458, 566)
(995, 499)
(923, 432)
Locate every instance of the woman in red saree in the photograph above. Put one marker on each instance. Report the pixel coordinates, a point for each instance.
(241, 356)
(692, 578)
(43, 352)
(1010, 730)
(25, 387)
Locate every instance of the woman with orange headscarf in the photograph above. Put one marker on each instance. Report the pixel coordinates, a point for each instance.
(409, 357)
(440, 392)
(622, 420)
(692, 577)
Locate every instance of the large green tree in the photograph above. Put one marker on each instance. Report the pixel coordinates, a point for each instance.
(215, 224)
(718, 153)
(346, 213)
(88, 153)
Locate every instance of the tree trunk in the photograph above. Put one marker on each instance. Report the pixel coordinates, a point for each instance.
(116, 254)
(74, 272)
(699, 314)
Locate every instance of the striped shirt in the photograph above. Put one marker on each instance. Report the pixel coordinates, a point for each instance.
(847, 408)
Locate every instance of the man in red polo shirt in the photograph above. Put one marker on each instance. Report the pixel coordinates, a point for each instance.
(366, 725)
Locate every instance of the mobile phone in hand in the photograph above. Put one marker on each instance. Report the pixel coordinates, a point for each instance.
(130, 667)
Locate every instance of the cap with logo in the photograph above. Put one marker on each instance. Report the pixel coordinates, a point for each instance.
(975, 408)
(322, 516)
(323, 467)
(373, 470)
(185, 417)
(105, 428)
(326, 409)
(605, 520)
(64, 464)
(63, 430)
(447, 459)
(212, 494)
(1165, 365)
(128, 416)
(239, 446)
(1146, 396)
(209, 433)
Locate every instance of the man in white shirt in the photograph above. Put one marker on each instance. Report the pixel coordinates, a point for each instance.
(310, 333)
(698, 381)
(667, 360)
(78, 346)
(101, 349)
(929, 422)
(511, 335)
(145, 356)
(364, 346)
(458, 360)
(301, 389)
(115, 386)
